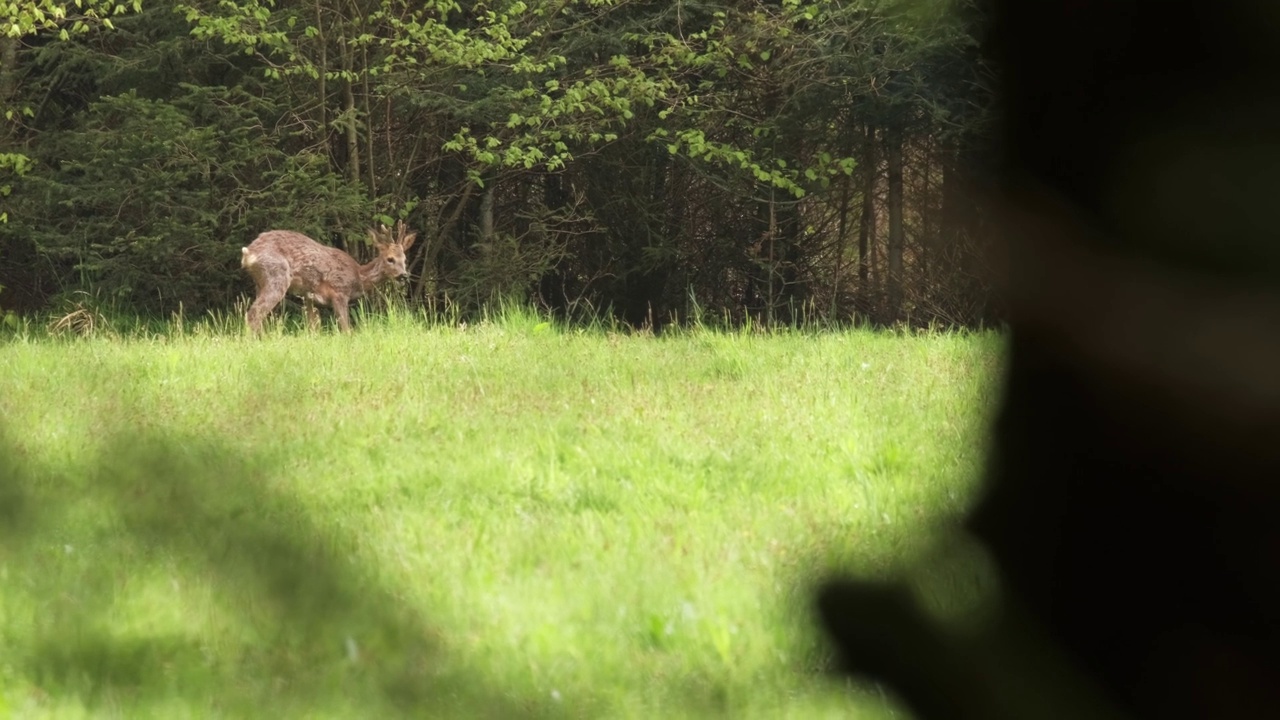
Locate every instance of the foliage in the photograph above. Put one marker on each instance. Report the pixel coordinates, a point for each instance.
(32, 16)
(710, 146)
(20, 18)
(151, 201)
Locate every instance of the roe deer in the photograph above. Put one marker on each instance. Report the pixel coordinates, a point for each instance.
(282, 261)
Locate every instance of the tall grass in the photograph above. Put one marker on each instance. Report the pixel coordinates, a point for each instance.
(505, 519)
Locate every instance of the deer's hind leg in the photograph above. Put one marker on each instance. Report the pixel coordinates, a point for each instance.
(313, 315)
(271, 277)
(344, 318)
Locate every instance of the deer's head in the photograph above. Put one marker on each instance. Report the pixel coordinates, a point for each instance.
(391, 247)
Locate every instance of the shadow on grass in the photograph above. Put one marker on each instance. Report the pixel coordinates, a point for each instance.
(169, 572)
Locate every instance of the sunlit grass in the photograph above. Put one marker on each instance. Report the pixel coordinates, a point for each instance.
(509, 519)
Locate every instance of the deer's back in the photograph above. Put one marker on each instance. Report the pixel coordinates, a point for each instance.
(303, 254)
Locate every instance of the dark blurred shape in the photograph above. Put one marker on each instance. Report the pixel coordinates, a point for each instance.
(1131, 498)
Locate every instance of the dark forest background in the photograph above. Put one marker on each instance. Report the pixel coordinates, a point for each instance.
(771, 161)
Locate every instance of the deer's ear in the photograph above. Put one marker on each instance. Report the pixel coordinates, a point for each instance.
(373, 239)
(407, 240)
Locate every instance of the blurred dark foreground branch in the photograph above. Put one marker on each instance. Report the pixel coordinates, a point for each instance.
(1131, 489)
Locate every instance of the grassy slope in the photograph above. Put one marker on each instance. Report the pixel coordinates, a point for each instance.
(505, 520)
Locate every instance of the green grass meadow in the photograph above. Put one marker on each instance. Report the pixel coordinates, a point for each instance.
(504, 520)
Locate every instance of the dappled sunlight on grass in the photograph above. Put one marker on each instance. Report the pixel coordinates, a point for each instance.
(503, 520)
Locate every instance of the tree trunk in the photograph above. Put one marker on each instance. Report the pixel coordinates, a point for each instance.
(8, 70)
(928, 218)
(867, 223)
(368, 114)
(323, 81)
(773, 269)
(842, 234)
(951, 231)
(553, 285)
(893, 142)
(486, 211)
(432, 250)
(8, 89)
(349, 117)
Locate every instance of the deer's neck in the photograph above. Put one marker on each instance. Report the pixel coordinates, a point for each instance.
(371, 274)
